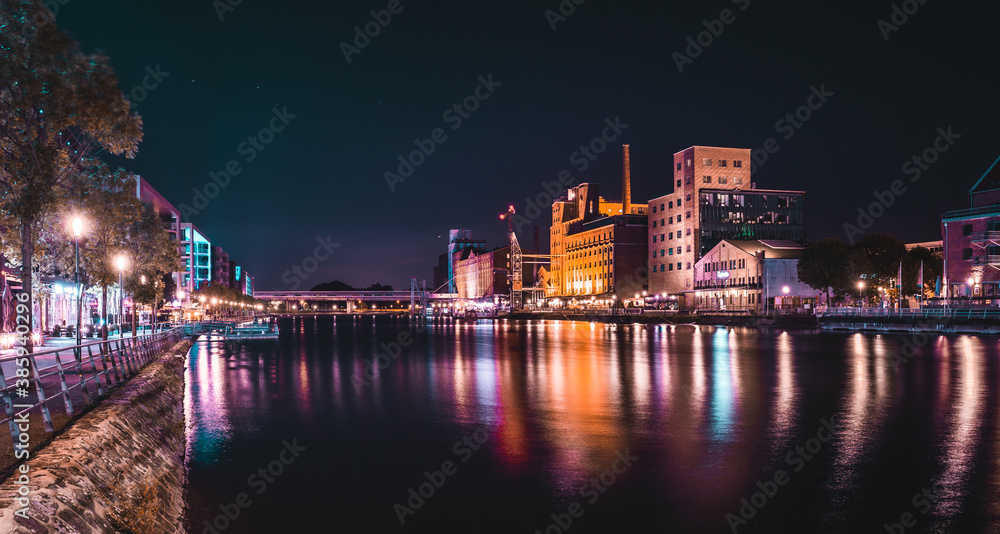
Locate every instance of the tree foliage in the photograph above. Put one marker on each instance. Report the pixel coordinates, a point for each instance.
(58, 106)
(824, 265)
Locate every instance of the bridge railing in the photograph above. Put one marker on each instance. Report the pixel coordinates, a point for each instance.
(60, 383)
(925, 313)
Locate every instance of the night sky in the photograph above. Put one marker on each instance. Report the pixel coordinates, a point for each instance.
(323, 175)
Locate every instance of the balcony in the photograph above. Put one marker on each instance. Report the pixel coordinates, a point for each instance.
(992, 260)
(991, 235)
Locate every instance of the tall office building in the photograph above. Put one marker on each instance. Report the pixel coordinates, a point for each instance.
(674, 219)
(713, 199)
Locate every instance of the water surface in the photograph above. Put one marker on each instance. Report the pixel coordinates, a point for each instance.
(627, 428)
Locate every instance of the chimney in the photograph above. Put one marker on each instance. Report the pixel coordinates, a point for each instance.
(627, 184)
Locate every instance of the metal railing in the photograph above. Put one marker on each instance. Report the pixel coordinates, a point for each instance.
(950, 313)
(72, 378)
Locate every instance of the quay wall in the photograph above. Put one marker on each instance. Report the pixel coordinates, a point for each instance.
(119, 468)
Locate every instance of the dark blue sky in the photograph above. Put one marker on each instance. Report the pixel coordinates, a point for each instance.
(323, 175)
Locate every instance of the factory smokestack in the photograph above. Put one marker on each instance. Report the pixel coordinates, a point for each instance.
(626, 183)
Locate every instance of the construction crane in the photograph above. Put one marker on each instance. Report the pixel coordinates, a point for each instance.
(515, 261)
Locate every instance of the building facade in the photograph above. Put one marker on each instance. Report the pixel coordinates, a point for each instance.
(714, 199)
(675, 218)
(935, 247)
(592, 240)
(755, 276)
(170, 217)
(971, 242)
(196, 258)
(606, 255)
(458, 240)
(221, 273)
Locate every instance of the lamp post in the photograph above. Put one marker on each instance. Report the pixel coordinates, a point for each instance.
(121, 298)
(861, 285)
(180, 303)
(77, 231)
(142, 280)
(784, 291)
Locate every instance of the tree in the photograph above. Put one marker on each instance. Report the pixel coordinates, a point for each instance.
(57, 107)
(933, 268)
(108, 201)
(153, 254)
(335, 285)
(824, 265)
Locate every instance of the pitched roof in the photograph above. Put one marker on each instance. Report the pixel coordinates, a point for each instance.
(773, 248)
(989, 180)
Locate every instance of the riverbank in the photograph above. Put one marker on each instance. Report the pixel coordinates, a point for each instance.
(119, 468)
(784, 321)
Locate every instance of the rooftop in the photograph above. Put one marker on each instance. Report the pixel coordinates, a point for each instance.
(989, 180)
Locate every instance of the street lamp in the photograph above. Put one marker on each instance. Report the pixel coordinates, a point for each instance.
(77, 231)
(861, 285)
(121, 298)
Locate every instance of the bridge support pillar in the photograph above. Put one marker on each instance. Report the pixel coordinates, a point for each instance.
(350, 306)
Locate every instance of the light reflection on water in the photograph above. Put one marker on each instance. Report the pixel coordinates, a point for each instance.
(710, 411)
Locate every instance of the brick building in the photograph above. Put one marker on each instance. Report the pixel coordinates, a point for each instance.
(972, 242)
(714, 199)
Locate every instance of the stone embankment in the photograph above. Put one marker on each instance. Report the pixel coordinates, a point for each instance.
(118, 469)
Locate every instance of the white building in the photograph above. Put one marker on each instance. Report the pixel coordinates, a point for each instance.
(753, 276)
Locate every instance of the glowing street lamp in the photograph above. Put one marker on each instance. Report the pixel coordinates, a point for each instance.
(861, 285)
(77, 232)
(121, 298)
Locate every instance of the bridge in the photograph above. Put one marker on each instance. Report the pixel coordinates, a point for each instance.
(349, 298)
(344, 296)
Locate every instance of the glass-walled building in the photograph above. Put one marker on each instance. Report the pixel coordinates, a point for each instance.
(196, 255)
(750, 214)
